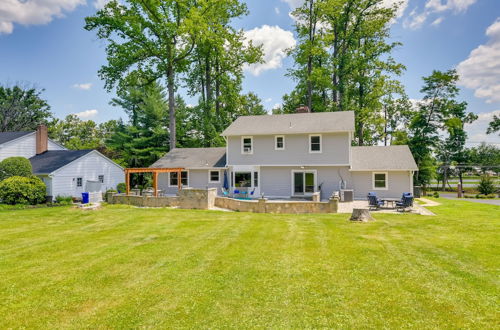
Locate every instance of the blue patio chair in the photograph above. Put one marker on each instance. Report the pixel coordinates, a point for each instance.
(252, 192)
(225, 192)
(406, 194)
(404, 204)
(374, 202)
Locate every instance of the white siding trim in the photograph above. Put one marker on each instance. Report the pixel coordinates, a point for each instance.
(90, 153)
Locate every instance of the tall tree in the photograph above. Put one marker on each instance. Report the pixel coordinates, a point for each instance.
(152, 39)
(343, 62)
(22, 108)
(494, 125)
(438, 111)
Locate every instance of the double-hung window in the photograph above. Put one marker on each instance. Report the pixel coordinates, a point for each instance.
(214, 176)
(247, 145)
(279, 142)
(315, 143)
(380, 181)
(101, 178)
(79, 182)
(174, 180)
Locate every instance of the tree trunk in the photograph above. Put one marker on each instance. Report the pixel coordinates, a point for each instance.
(171, 105)
(362, 215)
(445, 178)
(310, 56)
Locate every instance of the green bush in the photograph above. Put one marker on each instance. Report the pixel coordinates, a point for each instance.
(64, 200)
(22, 190)
(486, 186)
(121, 187)
(436, 194)
(15, 166)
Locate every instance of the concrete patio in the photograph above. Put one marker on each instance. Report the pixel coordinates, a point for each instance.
(418, 208)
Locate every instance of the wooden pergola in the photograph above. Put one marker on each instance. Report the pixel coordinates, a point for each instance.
(155, 172)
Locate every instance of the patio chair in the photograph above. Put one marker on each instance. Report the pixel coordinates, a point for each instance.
(374, 202)
(404, 204)
(407, 194)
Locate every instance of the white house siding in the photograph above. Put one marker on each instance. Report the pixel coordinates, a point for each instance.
(399, 182)
(335, 150)
(88, 167)
(196, 179)
(276, 181)
(24, 147)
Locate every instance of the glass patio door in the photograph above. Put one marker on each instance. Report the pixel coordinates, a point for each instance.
(303, 183)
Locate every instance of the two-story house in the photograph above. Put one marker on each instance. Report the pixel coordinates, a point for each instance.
(293, 155)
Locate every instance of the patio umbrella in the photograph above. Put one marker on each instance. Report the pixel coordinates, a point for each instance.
(226, 182)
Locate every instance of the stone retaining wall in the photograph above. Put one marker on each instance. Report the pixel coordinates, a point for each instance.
(263, 205)
(188, 198)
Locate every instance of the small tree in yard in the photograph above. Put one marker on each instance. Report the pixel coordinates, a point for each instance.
(15, 166)
(22, 190)
(486, 185)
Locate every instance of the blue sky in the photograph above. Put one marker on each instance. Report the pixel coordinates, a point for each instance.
(43, 43)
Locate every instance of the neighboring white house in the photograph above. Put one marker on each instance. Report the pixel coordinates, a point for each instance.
(65, 172)
(293, 155)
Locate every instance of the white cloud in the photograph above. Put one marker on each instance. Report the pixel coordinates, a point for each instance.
(481, 70)
(277, 10)
(84, 87)
(477, 130)
(87, 114)
(432, 7)
(33, 12)
(437, 21)
(275, 41)
(294, 3)
(99, 4)
(268, 100)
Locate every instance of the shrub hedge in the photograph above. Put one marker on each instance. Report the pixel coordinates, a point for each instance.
(15, 166)
(22, 190)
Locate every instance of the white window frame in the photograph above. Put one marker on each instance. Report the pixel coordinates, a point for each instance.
(386, 181)
(79, 186)
(276, 142)
(320, 144)
(210, 176)
(180, 179)
(243, 145)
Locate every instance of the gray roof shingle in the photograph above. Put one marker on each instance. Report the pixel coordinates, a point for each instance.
(382, 158)
(52, 160)
(193, 158)
(9, 136)
(296, 123)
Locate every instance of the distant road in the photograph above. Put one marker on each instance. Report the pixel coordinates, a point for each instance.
(473, 200)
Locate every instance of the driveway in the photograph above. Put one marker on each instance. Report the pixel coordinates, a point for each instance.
(473, 200)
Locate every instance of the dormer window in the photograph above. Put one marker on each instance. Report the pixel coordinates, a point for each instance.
(315, 143)
(247, 145)
(279, 142)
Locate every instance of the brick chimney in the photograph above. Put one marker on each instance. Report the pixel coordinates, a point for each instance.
(42, 139)
(303, 109)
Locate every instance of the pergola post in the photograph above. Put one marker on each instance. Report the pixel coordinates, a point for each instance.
(179, 180)
(127, 182)
(155, 183)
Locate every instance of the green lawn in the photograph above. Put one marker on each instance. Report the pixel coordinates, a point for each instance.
(124, 267)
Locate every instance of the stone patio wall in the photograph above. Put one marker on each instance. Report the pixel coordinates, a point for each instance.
(263, 205)
(188, 198)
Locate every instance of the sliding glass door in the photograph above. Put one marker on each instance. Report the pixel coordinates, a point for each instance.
(304, 182)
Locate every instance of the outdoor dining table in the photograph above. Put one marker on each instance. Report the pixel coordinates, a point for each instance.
(392, 201)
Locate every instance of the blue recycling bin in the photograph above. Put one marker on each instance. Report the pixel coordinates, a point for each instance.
(85, 198)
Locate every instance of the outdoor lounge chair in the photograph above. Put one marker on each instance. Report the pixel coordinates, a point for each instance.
(405, 203)
(374, 202)
(407, 194)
